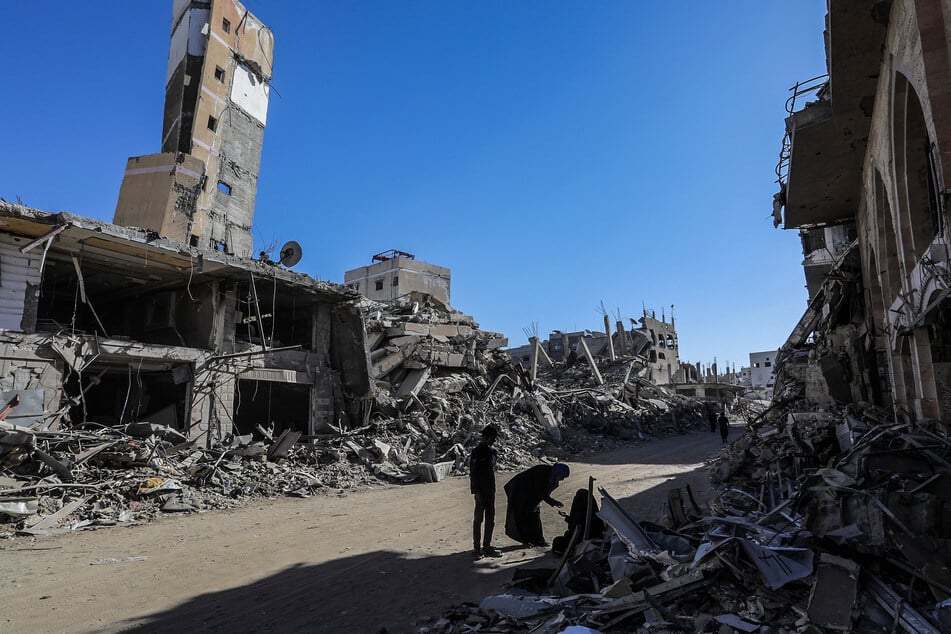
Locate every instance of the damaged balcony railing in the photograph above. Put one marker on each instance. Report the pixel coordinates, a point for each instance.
(818, 85)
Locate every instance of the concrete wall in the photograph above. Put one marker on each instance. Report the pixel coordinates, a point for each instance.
(761, 368)
(912, 113)
(387, 280)
(19, 284)
(160, 192)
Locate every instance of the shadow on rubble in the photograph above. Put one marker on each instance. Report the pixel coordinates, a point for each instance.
(691, 447)
(382, 591)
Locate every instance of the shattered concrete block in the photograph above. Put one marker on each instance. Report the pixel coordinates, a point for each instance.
(833, 592)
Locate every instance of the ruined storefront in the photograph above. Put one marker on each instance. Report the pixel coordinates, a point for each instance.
(109, 325)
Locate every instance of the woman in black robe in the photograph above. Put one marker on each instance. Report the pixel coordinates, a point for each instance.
(525, 492)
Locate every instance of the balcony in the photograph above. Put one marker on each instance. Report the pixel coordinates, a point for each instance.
(824, 148)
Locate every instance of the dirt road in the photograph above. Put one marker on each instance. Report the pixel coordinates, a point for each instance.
(351, 563)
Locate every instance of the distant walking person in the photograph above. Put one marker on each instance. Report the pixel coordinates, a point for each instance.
(482, 484)
(712, 417)
(724, 427)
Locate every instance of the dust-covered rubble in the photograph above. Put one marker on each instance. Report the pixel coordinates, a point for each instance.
(823, 521)
(439, 381)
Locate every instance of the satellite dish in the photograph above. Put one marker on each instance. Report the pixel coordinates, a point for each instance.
(291, 253)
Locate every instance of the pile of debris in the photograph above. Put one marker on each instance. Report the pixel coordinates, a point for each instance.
(439, 381)
(830, 521)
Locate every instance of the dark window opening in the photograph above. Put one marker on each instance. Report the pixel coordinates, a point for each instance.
(212, 123)
(268, 403)
(120, 301)
(379, 285)
(129, 393)
(224, 187)
(225, 25)
(940, 335)
(193, 241)
(768, 364)
(813, 240)
(280, 317)
(220, 74)
(934, 194)
(396, 281)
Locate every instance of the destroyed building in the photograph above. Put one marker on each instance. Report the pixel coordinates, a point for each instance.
(110, 324)
(665, 356)
(201, 188)
(162, 316)
(867, 154)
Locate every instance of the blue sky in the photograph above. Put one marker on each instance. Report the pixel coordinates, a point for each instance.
(552, 154)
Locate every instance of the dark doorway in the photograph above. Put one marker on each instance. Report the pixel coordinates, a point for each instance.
(117, 394)
(285, 405)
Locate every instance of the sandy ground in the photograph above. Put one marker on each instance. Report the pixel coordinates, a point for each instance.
(357, 562)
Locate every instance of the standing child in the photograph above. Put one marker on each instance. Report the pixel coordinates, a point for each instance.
(482, 484)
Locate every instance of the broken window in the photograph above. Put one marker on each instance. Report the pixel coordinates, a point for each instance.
(130, 391)
(212, 123)
(226, 25)
(661, 355)
(379, 285)
(396, 280)
(275, 314)
(271, 404)
(220, 74)
(218, 245)
(813, 240)
(224, 187)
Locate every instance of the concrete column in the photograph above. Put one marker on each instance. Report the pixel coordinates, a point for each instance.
(607, 331)
(621, 336)
(533, 371)
(594, 366)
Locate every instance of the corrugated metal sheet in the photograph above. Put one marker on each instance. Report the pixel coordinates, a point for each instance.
(16, 271)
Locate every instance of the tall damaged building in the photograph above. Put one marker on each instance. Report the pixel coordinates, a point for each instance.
(162, 317)
(201, 188)
(863, 176)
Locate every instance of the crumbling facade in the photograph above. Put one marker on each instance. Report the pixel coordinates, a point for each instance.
(201, 188)
(397, 273)
(110, 325)
(162, 317)
(664, 364)
(873, 152)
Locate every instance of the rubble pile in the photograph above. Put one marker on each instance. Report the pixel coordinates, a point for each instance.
(439, 381)
(66, 480)
(823, 521)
